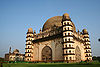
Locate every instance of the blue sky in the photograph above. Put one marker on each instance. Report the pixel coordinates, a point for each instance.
(16, 16)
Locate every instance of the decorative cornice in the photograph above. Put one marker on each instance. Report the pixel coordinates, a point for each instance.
(69, 48)
(48, 38)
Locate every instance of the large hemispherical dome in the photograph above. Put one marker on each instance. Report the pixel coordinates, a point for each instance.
(54, 21)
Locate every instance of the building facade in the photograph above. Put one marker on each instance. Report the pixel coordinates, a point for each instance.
(58, 41)
(14, 56)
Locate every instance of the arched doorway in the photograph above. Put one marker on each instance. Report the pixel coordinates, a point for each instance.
(78, 54)
(46, 54)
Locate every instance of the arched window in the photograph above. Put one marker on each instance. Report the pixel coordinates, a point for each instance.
(66, 46)
(69, 51)
(66, 51)
(28, 46)
(66, 58)
(69, 39)
(68, 33)
(65, 28)
(65, 40)
(70, 58)
(65, 34)
(67, 23)
(68, 28)
(86, 54)
(28, 50)
(69, 45)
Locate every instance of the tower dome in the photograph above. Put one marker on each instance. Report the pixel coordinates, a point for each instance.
(65, 14)
(85, 31)
(16, 51)
(30, 30)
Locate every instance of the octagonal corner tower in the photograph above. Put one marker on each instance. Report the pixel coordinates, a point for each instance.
(58, 41)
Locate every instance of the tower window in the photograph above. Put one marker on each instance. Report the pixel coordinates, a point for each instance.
(28, 51)
(86, 54)
(65, 28)
(65, 40)
(66, 51)
(68, 23)
(68, 28)
(66, 45)
(65, 34)
(65, 23)
(66, 58)
(69, 45)
(68, 33)
(70, 58)
(69, 39)
(28, 46)
(69, 51)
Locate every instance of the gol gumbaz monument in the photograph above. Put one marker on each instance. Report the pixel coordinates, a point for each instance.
(57, 41)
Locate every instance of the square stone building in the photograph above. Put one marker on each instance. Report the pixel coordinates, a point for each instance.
(58, 41)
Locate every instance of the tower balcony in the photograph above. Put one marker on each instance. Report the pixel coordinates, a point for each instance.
(69, 48)
(29, 36)
(67, 30)
(68, 36)
(28, 44)
(69, 54)
(87, 44)
(28, 40)
(85, 34)
(86, 37)
(88, 56)
(88, 52)
(28, 48)
(87, 48)
(28, 56)
(68, 42)
(67, 25)
(28, 52)
(29, 33)
(86, 41)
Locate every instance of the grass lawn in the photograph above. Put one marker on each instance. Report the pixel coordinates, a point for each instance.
(49, 65)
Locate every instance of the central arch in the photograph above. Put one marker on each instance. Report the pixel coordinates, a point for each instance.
(78, 54)
(47, 54)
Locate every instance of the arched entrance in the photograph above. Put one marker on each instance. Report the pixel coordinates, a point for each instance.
(46, 54)
(78, 54)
